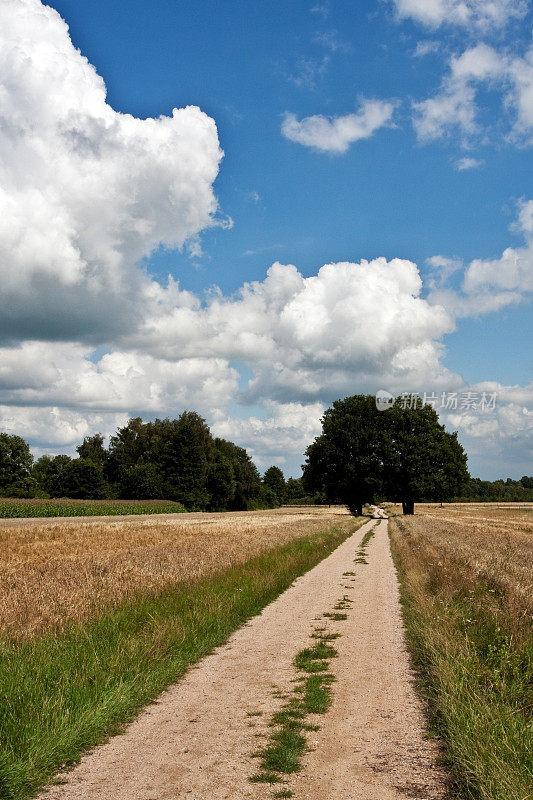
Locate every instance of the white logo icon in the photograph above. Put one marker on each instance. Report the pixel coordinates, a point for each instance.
(384, 400)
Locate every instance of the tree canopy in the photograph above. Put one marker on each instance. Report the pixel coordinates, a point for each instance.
(274, 480)
(15, 464)
(403, 454)
(171, 459)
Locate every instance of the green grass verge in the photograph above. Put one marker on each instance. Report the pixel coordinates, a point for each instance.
(475, 664)
(64, 693)
(14, 508)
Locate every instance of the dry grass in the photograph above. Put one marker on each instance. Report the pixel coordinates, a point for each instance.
(495, 544)
(466, 574)
(58, 572)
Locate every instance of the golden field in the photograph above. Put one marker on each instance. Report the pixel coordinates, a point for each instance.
(467, 580)
(494, 542)
(56, 572)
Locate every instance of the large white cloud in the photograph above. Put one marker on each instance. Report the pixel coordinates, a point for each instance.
(336, 134)
(33, 373)
(501, 436)
(454, 108)
(491, 284)
(309, 338)
(85, 192)
(481, 14)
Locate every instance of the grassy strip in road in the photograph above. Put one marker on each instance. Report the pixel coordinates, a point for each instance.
(14, 508)
(64, 693)
(287, 744)
(474, 654)
(360, 557)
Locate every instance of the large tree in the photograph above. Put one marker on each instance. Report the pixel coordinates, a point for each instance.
(345, 462)
(221, 482)
(274, 479)
(245, 473)
(402, 453)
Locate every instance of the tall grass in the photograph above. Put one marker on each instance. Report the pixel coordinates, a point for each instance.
(470, 636)
(66, 691)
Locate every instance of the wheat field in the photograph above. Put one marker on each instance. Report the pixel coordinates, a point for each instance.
(467, 581)
(60, 572)
(495, 543)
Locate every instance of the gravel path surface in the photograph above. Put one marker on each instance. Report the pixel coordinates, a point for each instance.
(196, 740)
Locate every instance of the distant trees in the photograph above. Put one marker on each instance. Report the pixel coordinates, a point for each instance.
(248, 483)
(180, 460)
(362, 455)
(295, 489)
(274, 480)
(48, 471)
(402, 454)
(508, 491)
(174, 459)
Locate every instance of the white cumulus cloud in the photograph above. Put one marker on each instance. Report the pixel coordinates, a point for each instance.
(480, 14)
(85, 191)
(336, 134)
(491, 284)
(454, 108)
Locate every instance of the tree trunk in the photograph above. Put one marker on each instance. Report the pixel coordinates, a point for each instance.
(408, 506)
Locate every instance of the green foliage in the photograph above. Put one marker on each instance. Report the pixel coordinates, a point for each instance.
(245, 473)
(345, 462)
(10, 508)
(508, 491)
(274, 480)
(141, 482)
(80, 479)
(221, 483)
(173, 459)
(422, 460)
(48, 470)
(404, 454)
(295, 489)
(92, 449)
(15, 465)
(184, 457)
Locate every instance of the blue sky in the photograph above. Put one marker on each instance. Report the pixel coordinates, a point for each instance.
(414, 187)
(246, 64)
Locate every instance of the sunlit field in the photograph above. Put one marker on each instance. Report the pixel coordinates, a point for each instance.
(60, 572)
(467, 574)
(98, 617)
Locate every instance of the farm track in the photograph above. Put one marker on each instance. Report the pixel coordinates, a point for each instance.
(196, 741)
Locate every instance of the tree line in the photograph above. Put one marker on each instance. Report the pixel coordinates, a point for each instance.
(363, 455)
(176, 459)
(500, 491)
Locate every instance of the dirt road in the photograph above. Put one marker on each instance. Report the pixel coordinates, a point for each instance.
(197, 740)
